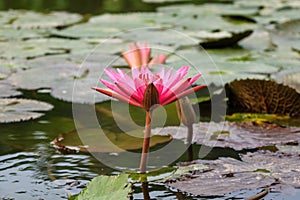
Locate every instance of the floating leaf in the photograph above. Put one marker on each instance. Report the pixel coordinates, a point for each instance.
(96, 140)
(161, 37)
(225, 41)
(38, 47)
(15, 110)
(18, 34)
(194, 17)
(23, 19)
(289, 149)
(259, 40)
(289, 77)
(7, 90)
(105, 187)
(236, 135)
(256, 118)
(261, 96)
(256, 170)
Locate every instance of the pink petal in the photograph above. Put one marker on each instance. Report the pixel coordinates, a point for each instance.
(112, 75)
(184, 93)
(158, 59)
(145, 52)
(117, 96)
(195, 78)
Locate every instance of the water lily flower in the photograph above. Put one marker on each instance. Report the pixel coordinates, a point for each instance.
(139, 55)
(169, 86)
(147, 90)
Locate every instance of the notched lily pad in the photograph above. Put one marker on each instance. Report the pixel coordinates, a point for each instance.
(262, 96)
(236, 135)
(15, 110)
(96, 140)
(226, 175)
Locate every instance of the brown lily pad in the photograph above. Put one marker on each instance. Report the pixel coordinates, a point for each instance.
(71, 142)
(227, 175)
(262, 96)
(236, 135)
(15, 110)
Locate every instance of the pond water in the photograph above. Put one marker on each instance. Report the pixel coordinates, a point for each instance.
(31, 167)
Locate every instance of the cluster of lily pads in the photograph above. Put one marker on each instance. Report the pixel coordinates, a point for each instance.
(243, 39)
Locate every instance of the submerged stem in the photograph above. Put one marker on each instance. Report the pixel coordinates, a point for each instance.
(146, 143)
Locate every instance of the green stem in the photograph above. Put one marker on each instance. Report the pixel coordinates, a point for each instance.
(146, 144)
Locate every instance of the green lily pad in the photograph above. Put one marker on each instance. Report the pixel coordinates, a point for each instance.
(41, 47)
(259, 40)
(56, 75)
(255, 170)
(236, 135)
(279, 58)
(261, 96)
(220, 66)
(86, 30)
(289, 149)
(7, 90)
(195, 17)
(69, 78)
(71, 142)
(15, 110)
(20, 34)
(219, 39)
(287, 34)
(23, 19)
(160, 37)
(289, 77)
(106, 187)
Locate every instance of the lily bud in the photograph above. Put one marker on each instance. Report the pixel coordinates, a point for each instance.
(185, 111)
(151, 97)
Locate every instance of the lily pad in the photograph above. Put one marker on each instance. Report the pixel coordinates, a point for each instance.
(226, 41)
(259, 40)
(221, 66)
(23, 19)
(261, 96)
(289, 77)
(7, 90)
(20, 34)
(71, 142)
(15, 110)
(33, 48)
(289, 149)
(255, 170)
(194, 17)
(236, 135)
(69, 78)
(105, 187)
(160, 37)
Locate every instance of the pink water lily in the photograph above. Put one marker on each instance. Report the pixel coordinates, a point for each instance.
(170, 86)
(139, 55)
